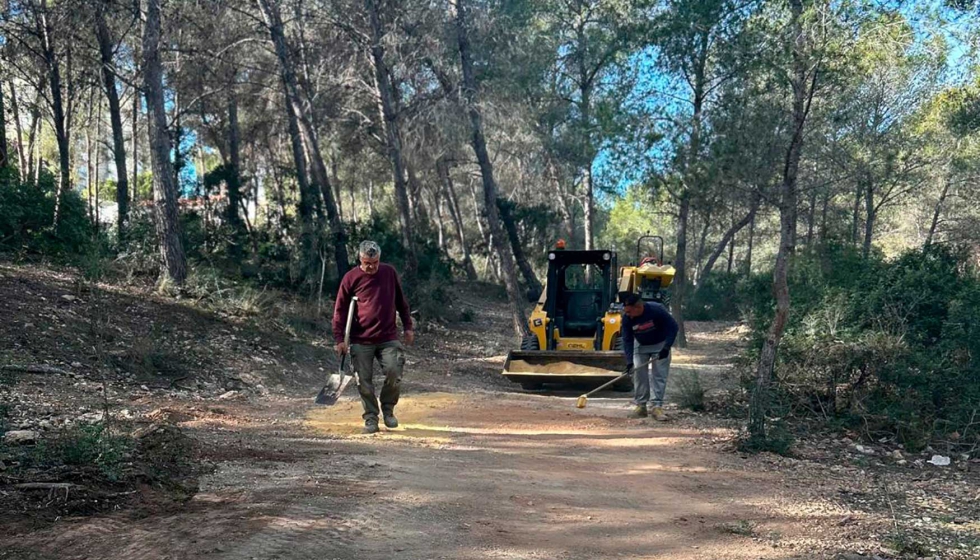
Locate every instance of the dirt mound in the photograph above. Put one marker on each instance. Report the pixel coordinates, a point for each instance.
(559, 368)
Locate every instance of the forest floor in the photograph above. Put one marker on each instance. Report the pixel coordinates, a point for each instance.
(478, 470)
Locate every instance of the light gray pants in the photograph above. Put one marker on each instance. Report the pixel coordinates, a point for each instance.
(655, 373)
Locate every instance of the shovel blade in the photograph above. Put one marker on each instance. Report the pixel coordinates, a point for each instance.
(332, 391)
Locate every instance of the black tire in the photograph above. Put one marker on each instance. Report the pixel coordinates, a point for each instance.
(530, 342)
(617, 343)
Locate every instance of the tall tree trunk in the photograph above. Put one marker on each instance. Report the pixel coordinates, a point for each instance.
(18, 130)
(4, 153)
(304, 140)
(33, 145)
(939, 210)
(869, 219)
(164, 188)
(823, 216)
(678, 295)
(106, 47)
(507, 216)
(702, 241)
(52, 66)
(234, 179)
(393, 141)
(567, 215)
(88, 168)
(353, 204)
(811, 218)
(803, 90)
(858, 196)
(370, 199)
(729, 239)
(748, 247)
(440, 219)
(442, 168)
(508, 266)
(135, 141)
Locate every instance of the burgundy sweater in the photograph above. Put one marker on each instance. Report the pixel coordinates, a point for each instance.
(379, 295)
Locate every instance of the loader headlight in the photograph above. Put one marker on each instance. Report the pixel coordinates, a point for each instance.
(606, 256)
(551, 256)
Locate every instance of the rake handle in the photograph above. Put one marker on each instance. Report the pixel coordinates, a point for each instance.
(609, 383)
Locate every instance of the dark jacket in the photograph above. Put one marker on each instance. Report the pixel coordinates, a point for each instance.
(654, 326)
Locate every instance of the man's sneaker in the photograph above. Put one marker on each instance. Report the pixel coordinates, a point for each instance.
(658, 414)
(390, 420)
(371, 426)
(639, 411)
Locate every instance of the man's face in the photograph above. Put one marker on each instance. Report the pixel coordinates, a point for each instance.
(370, 264)
(634, 311)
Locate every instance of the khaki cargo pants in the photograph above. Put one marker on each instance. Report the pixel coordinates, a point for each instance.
(392, 358)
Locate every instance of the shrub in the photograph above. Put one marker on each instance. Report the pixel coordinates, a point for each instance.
(716, 299)
(27, 218)
(891, 347)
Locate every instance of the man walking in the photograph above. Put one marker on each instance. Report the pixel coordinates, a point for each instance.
(374, 333)
(648, 333)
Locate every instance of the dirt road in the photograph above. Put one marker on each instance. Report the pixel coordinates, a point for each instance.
(490, 476)
(478, 470)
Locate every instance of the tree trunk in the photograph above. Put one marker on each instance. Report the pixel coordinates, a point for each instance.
(135, 142)
(507, 216)
(57, 108)
(679, 294)
(729, 239)
(393, 141)
(104, 38)
(18, 130)
(33, 145)
(748, 247)
(4, 153)
(164, 188)
(823, 217)
(858, 195)
(680, 267)
(442, 168)
(702, 241)
(811, 218)
(370, 200)
(234, 178)
(567, 216)
(939, 209)
(508, 266)
(306, 139)
(802, 96)
(440, 220)
(869, 219)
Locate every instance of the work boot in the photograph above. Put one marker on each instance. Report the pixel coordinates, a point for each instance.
(658, 414)
(370, 426)
(390, 420)
(639, 411)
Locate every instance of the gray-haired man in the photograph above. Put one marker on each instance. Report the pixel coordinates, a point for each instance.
(374, 333)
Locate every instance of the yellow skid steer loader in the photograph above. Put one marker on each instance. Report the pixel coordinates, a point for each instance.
(575, 325)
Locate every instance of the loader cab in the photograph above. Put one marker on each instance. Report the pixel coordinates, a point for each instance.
(579, 291)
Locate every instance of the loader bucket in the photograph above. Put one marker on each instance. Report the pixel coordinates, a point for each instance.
(536, 367)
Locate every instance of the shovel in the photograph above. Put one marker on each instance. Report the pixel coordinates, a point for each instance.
(337, 382)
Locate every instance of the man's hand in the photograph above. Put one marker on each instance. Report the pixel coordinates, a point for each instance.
(629, 368)
(341, 348)
(663, 354)
(410, 337)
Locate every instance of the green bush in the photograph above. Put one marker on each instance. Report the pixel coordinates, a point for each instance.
(890, 346)
(27, 218)
(716, 299)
